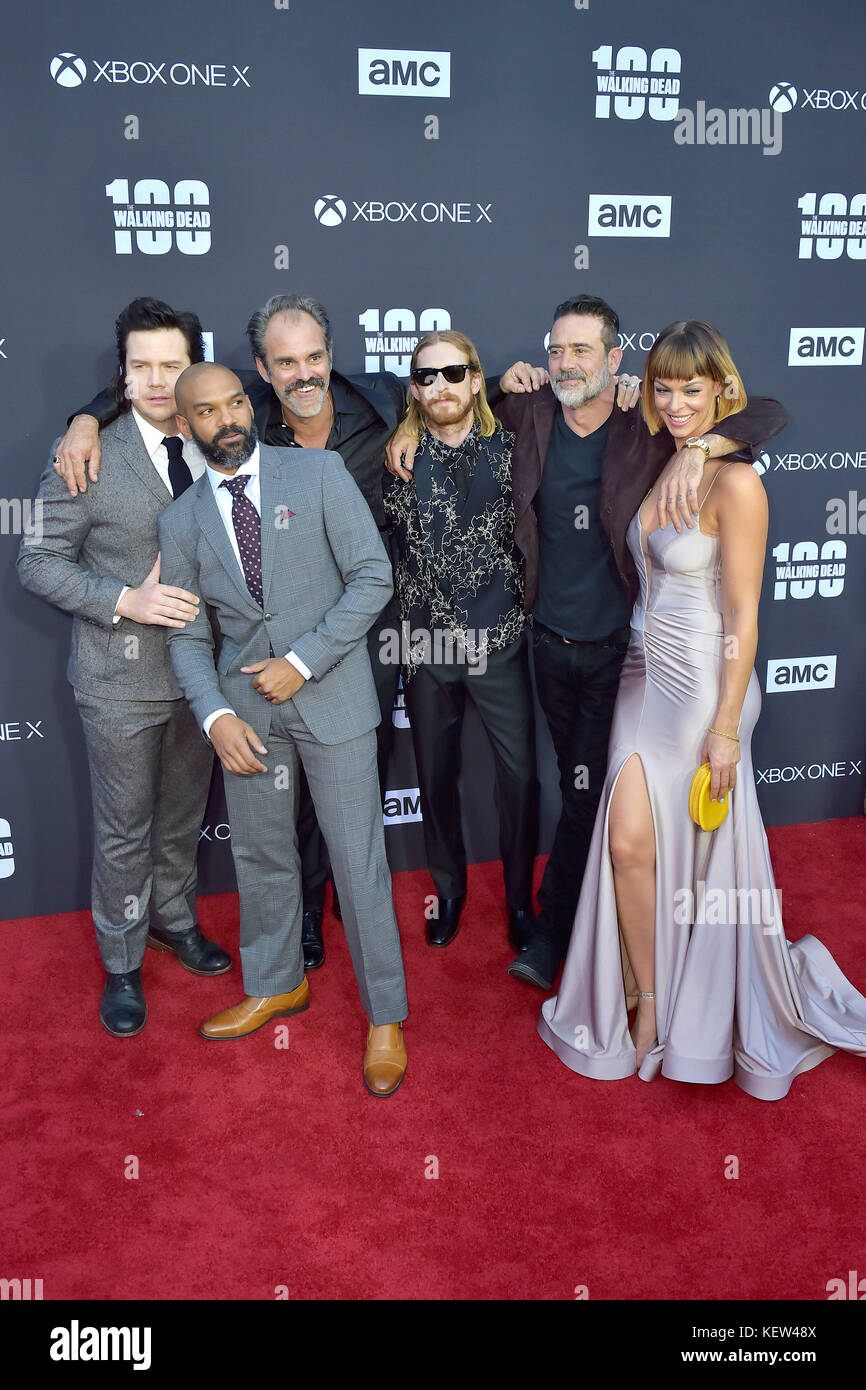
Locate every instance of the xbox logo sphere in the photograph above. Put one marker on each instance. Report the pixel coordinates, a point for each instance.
(68, 70)
(330, 210)
(761, 464)
(783, 97)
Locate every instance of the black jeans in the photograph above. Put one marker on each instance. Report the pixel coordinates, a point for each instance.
(577, 684)
(435, 702)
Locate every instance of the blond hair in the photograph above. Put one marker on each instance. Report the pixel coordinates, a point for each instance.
(484, 418)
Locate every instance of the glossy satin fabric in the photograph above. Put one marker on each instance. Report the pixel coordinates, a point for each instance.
(733, 997)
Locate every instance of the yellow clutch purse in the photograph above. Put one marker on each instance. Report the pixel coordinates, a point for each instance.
(705, 813)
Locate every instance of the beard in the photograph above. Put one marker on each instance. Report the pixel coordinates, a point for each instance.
(576, 388)
(448, 410)
(306, 406)
(229, 456)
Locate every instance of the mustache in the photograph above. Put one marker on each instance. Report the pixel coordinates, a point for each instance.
(568, 376)
(230, 429)
(311, 381)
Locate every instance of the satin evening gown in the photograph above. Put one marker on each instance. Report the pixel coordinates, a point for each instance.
(732, 996)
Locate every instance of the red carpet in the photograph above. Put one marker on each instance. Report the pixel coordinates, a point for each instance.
(261, 1167)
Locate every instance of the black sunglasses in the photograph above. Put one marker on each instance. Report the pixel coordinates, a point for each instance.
(425, 376)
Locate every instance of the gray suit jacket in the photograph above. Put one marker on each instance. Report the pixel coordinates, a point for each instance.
(325, 579)
(91, 546)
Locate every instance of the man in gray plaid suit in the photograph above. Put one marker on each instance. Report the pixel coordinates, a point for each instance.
(284, 551)
(98, 558)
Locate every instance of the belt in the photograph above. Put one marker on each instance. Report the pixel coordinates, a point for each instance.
(619, 634)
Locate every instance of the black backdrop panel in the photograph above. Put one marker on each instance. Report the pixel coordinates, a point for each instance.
(414, 166)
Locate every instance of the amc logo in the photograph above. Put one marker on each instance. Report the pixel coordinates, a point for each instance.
(402, 806)
(826, 347)
(403, 72)
(626, 214)
(801, 673)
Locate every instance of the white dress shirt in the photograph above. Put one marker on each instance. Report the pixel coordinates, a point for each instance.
(223, 499)
(152, 438)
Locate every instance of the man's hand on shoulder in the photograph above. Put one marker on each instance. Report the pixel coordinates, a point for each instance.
(521, 377)
(678, 488)
(158, 605)
(236, 744)
(627, 390)
(79, 445)
(277, 679)
(400, 454)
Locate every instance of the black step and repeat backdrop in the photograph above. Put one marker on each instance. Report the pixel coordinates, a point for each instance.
(416, 166)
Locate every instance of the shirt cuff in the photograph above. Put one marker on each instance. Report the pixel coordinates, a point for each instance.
(299, 665)
(117, 616)
(206, 726)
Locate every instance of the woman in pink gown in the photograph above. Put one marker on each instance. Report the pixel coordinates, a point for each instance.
(685, 923)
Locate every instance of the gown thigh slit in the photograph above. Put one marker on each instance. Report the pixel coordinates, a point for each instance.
(733, 997)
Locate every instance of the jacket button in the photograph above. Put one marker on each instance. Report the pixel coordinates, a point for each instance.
(268, 617)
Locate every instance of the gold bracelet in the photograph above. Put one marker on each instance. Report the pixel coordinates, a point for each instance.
(733, 737)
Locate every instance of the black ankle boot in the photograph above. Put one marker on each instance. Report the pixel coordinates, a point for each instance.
(521, 927)
(312, 940)
(442, 929)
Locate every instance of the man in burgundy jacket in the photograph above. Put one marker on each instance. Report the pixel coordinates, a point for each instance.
(580, 469)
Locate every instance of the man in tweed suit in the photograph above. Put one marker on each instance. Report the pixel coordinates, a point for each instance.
(284, 550)
(98, 558)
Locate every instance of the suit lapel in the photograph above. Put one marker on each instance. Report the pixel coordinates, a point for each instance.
(269, 502)
(544, 412)
(207, 515)
(129, 439)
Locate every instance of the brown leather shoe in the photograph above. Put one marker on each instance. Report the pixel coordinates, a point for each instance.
(385, 1059)
(251, 1013)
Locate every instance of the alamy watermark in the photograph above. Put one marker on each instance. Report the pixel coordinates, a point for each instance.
(728, 907)
(19, 516)
(442, 647)
(738, 126)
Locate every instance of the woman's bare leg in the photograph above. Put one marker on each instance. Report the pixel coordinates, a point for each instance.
(632, 852)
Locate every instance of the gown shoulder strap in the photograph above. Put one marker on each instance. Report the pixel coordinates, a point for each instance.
(712, 484)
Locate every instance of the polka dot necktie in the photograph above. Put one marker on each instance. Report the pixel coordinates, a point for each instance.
(248, 530)
(179, 476)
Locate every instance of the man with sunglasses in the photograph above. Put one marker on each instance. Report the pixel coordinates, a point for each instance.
(459, 584)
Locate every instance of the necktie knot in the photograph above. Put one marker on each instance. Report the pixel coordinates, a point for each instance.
(236, 486)
(179, 476)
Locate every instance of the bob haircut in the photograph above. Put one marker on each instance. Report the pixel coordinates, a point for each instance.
(481, 413)
(686, 349)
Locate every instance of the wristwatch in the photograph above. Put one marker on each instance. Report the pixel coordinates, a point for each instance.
(697, 443)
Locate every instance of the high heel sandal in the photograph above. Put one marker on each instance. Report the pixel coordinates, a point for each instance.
(646, 994)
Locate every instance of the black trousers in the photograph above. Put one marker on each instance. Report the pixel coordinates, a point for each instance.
(435, 702)
(577, 684)
(311, 844)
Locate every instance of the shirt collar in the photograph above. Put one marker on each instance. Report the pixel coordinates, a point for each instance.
(151, 436)
(250, 469)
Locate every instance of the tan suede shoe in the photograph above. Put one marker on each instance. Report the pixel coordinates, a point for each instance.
(251, 1013)
(385, 1059)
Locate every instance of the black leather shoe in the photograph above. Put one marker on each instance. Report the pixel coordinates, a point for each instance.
(311, 939)
(521, 927)
(122, 1010)
(538, 964)
(442, 929)
(194, 951)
